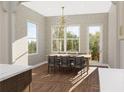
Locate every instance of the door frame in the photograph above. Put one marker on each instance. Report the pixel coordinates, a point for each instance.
(101, 40)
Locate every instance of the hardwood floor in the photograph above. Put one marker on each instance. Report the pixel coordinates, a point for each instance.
(63, 81)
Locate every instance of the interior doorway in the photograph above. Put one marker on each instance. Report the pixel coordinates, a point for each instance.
(95, 43)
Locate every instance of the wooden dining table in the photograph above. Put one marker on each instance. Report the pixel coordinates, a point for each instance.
(86, 56)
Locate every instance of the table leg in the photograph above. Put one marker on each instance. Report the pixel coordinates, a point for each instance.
(87, 62)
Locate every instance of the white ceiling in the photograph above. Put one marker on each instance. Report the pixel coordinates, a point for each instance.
(53, 8)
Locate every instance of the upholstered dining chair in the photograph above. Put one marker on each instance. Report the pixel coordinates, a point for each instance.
(51, 63)
(64, 62)
(80, 63)
(72, 60)
(57, 62)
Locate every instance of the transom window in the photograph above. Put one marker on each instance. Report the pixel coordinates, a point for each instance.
(32, 37)
(67, 40)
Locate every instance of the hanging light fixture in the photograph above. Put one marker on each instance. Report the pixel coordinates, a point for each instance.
(62, 21)
(61, 27)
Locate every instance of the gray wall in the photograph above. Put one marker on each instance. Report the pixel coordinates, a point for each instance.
(4, 37)
(20, 44)
(112, 37)
(116, 43)
(120, 7)
(84, 21)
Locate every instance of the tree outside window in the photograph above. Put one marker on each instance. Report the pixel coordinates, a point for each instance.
(66, 41)
(32, 37)
(73, 38)
(94, 40)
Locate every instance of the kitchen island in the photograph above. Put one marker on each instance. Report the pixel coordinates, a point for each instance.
(111, 80)
(15, 78)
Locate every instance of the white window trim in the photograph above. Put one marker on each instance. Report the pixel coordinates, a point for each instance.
(37, 30)
(65, 39)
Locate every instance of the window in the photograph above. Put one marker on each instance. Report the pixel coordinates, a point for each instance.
(32, 37)
(58, 40)
(72, 38)
(66, 41)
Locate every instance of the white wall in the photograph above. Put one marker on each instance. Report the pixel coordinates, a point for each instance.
(19, 54)
(0, 36)
(112, 37)
(84, 21)
(116, 45)
(122, 54)
(20, 44)
(120, 13)
(4, 37)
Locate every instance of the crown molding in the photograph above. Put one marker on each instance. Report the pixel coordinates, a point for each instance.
(10, 6)
(4, 6)
(114, 2)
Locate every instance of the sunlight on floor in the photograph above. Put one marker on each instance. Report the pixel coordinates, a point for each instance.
(80, 78)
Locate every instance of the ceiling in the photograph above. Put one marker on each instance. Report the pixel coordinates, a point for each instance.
(53, 8)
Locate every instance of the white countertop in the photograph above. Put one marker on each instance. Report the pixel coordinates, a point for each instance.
(111, 80)
(10, 70)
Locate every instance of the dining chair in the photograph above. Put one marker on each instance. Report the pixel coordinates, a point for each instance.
(72, 60)
(80, 63)
(51, 63)
(64, 62)
(57, 62)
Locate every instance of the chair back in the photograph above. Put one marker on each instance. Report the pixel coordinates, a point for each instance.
(72, 60)
(64, 61)
(80, 61)
(57, 60)
(51, 60)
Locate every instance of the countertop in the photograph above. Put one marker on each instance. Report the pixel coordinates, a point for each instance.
(111, 80)
(10, 70)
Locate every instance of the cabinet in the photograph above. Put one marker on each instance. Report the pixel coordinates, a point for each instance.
(18, 83)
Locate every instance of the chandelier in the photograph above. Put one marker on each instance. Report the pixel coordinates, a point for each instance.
(62, 21)
(60, 28)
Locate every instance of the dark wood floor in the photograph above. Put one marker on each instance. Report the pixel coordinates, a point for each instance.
(63, 81)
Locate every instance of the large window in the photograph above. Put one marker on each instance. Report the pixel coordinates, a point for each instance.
(72, 35)
(66, 41)
(32, 37)
(58, 40)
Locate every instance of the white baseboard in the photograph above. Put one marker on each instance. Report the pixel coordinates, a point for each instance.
(39, 64)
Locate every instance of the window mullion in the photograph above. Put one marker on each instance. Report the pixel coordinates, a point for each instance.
(65, 39)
